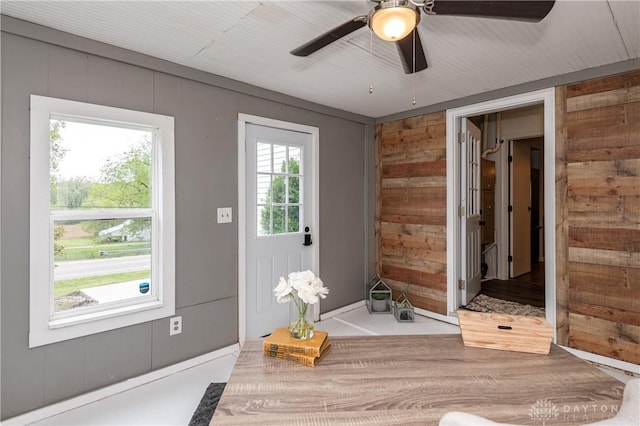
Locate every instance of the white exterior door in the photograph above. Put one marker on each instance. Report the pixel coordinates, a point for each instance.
(520, 211)
(470, 205)
(279, 198)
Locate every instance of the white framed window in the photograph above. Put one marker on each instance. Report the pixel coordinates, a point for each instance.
(102, 219)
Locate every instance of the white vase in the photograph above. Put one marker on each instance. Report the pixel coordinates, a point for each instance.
(378, 305)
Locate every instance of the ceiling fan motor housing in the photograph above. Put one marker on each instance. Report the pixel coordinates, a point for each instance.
(392, 20)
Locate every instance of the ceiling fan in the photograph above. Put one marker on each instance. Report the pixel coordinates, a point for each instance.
(396, 20)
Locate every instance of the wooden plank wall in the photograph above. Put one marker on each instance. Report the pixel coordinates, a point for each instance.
(598, 213)
(411, 209)
(603, 204)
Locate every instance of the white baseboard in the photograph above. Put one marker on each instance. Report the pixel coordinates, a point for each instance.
(93, 396)
(435, 316)
(603, 360)
(424, 313)
(341, 310)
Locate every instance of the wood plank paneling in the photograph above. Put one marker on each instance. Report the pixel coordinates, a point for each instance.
(597, 162)
(603, 241)
(631, 210)
(606, 116)
(604, 257)
(561, 215)
(603, 99)
(608, 338)
(605, 238)
(620, 168)
(605, 84)
(411, 207)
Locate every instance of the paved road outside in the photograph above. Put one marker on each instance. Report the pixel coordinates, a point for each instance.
(84, 268)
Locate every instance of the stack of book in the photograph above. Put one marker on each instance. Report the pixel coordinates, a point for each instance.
(306, 352)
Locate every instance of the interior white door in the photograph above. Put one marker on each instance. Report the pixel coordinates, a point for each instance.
(470, 204)
(278, 211)
(520, 211)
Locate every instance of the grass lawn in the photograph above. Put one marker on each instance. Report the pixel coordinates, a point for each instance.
(63, 287)
(87, 248)
(77, 242)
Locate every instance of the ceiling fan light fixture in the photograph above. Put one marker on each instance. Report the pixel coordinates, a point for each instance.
(393, 20)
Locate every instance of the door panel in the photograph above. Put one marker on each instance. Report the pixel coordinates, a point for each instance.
(488, 201)
(279, 202)
(470, 217)
(520, 216)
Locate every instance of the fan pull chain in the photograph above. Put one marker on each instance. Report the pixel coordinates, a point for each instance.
(413, 77)
(371, 60)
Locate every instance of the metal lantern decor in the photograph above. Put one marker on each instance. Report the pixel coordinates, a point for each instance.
(378, 296)
(403, 309)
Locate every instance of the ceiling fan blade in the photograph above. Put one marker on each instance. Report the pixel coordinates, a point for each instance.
(533, 11)
(405, 49)
(330, 36)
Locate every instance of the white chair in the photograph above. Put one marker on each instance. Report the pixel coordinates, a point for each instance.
(628, 413)
(458, 418)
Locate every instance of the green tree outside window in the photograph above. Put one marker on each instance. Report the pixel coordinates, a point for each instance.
(283, 192)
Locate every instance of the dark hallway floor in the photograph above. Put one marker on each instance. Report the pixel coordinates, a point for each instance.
(527, 289)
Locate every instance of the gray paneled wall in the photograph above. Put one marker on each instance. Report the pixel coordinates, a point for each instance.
(206, 178)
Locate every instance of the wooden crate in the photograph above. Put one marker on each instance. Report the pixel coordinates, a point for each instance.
(505, 332)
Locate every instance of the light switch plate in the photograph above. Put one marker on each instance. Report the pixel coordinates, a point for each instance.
(224, 215)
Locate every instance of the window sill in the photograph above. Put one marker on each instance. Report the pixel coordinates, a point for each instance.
(96, 322)
(102, 314)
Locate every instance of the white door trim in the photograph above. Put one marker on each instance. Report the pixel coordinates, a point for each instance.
(243, 120)
(547, 98)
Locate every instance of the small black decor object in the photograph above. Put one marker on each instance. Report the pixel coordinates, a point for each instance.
(403, 309)
(207, 406)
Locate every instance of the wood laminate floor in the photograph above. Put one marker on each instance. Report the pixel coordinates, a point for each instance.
(527, 289)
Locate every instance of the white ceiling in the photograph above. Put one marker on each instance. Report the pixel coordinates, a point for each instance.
(250, 41)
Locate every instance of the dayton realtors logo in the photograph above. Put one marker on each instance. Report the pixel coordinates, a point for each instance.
(546, 411)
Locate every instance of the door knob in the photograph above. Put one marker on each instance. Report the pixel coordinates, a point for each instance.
(307, 237)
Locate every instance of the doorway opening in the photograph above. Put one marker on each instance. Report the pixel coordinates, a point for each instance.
(523, 285)
(517, 249)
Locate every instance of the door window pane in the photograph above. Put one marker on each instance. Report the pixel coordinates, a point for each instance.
(278, 190)
(263, 156)
(294, 189)
(294, 160)
(264, 184)
(279, 219)
(264, 220)
(279, 158)
(293, 219)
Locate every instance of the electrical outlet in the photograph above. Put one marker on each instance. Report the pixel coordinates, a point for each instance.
(175, 325)
(224, 214)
